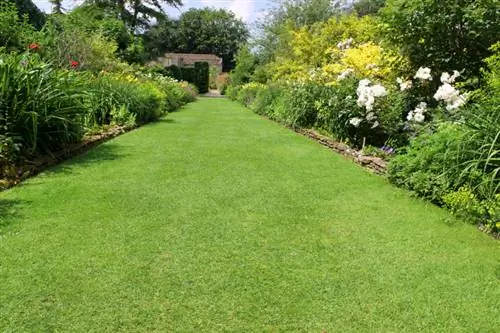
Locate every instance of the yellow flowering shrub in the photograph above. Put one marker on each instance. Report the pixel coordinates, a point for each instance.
(323, 51)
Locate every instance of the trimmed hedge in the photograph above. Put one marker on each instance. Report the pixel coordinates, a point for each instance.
(202, 76)
(199, 75)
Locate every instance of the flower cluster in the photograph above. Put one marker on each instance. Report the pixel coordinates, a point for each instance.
(345, 44)
(424, 74)
(447, 78)
(355, 121)
(345, 74)
(387, 149)
(451, 96)
(404, 85)
(33, 47)
(417, 115)
(367, 93)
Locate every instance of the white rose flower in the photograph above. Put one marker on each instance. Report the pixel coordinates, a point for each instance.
(424, 74)
(355, 121)
(404, 85)
(379, 91)
(419, 117)
(409, 117)
(370, 116)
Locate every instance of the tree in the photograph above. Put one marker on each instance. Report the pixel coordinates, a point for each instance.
(35, 15)
(368, 7)
(161, 38)
(288, 15)
(245, 66)
(15, 31)
(207, 30)
(137, 14)
(444, 35)
(92, 19)
(56, 6)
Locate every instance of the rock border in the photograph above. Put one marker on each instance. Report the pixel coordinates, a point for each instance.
(375, 164)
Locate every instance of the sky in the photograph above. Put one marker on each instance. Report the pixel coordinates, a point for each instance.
(247, 10)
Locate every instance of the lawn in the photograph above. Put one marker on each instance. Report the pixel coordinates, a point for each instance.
(216, 220)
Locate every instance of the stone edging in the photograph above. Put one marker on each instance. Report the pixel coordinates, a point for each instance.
(375, 164)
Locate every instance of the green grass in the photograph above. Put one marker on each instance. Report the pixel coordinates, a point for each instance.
(215, 220)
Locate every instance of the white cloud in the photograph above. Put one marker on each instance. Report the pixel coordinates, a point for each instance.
(246, 10)
(243, 9)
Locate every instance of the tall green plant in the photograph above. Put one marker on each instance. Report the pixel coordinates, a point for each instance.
(40, 107)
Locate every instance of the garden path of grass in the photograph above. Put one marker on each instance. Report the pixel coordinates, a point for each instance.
(216, 220)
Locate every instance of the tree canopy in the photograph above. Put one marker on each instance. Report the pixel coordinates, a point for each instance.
(207, 30)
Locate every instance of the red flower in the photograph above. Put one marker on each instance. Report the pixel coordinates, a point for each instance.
(74, 63)
(34, 46)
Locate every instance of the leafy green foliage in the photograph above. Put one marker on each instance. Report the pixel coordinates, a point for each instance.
(199, 75)
(207, 30)
(41, 108)
(202, 76)
(66, 45)
(15, 31)
(443, 35)
(26, 7)
(136, 14)
(424, 167)
(93, 19)
(459, 163)
(368, 7)
(286, 15)
(245, 66)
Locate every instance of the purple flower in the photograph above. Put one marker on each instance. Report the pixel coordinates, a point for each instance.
(387, 149)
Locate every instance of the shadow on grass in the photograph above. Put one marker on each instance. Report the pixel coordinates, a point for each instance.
(9, 209)
(160, 121)
(99, 153)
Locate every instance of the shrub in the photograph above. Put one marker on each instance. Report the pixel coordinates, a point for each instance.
(41, 108)
(245, 65)
(444, 35)
(232, 92)
(336, 107)
(465, 203)
(213, 77)
(66, 45)
(247, 93)
(300, 108)
(108, 92)
(15, 33)
(424, 167)
(266, 99)
(222, 83)
(198, 75)
(174, 72)
(189, 92)
(202, 76)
